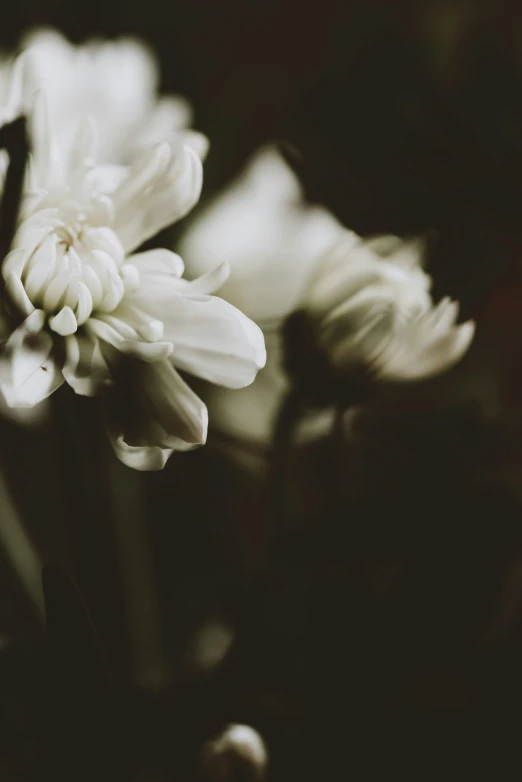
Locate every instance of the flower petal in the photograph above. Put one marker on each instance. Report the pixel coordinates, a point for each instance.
(138, 457)
(158, 261)
(417, 353)
(85, 368)
(162, 185)
(28, 372)
(153, 412)
(214, 340)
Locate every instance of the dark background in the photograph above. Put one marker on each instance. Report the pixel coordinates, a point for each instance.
(381, 633)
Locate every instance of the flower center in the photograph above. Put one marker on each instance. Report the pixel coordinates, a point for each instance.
(72, 265)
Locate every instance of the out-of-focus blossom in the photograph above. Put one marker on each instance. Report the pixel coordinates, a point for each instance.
(210, 645)
(271, 239)
(268, 235)
(238, 752)
(371, 306)
(83, 307)
(115, 83)
(368, 300)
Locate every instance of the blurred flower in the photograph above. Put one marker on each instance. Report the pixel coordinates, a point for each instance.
(367, 301)
(210, 645)
(238, 752)
(371, 306)
(271, 239)
(82, 307)
(114, 82)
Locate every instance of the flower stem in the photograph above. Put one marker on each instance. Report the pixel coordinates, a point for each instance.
(20, 550)
(140, 594)
(284, 429)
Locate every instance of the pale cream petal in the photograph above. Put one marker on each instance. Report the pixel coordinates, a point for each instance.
(420, 355)
(152, 412)
(161, 187)
(85, 368)
(28, 372)
(158, 261)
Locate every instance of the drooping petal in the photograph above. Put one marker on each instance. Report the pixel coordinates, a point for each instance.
(152, 412)
(146, 458)
(85, 368)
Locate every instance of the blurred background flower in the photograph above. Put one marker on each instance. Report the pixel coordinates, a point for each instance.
(114, 82)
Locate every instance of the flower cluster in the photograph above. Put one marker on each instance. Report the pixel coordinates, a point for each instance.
(368, 301)
(112, 164)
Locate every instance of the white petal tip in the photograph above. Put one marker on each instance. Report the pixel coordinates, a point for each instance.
(64, 323)
(143, 459)
(152, 331)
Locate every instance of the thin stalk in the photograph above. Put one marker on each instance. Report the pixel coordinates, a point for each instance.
(127, 498)
(286, 423)
(20, 550)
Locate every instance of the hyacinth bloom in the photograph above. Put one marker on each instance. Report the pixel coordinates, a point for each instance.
(114, 82)
(368, 300)
(84, 307)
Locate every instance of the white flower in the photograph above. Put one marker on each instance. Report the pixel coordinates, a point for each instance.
(114, 82)
(94, 312)
(369, 301)
(371, 305)
(271, 239)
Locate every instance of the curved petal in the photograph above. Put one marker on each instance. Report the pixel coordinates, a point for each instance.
(138, 457)
(212, 339)
(153, 412)
(418, 353)
(250, 413)
(28, 372)
(161, 186)
(85, 368)
(196, 141)
(216, 342)
(159, 261)
(172, 115)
